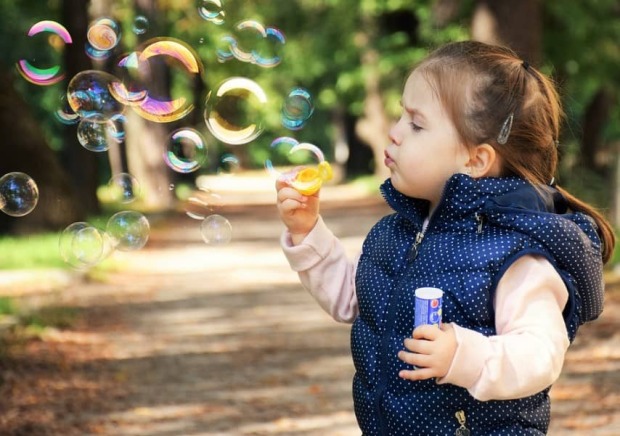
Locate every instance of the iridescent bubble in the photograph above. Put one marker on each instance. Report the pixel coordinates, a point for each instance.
(129, 230)
(297, 109)
(178, 54)
(88, 94)
(103, 34)
(216, 230)
(187, 150)
(124, 188)
(19, 194)
(211, 10)
(279, 150)
(131, 89)
(234, 112)
(253, 43)
(140, 25)
(49, 75)
(94, 133)
(229, 164)
(64, 113)
(117, 128)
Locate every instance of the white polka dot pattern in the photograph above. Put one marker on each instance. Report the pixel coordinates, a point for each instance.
(465, 255)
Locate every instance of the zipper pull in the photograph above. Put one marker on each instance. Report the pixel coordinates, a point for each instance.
(413, 252)
(462, 430)
(480, 221)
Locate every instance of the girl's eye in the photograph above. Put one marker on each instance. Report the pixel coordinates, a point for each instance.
(415, 127)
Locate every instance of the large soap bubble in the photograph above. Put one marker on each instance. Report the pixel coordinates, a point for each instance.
(82, 245)
(234, 112)
(51, 74)
(19, 194)
(187, 150)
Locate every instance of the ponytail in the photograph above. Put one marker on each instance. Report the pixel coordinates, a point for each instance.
(604, 229)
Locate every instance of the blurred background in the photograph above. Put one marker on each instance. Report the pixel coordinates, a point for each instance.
(119, 116)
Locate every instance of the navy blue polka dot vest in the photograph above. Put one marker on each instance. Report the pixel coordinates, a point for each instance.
(477, 231)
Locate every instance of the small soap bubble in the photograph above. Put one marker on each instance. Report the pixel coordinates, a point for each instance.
(253, 43)
(234, 112)
(88, 94)
(187, 150)
(124, 188)
(216, 230)
(211, 10)
(94, 133)
(140, 25)
(19, 194)
(229, 164)
(129, 230)
(103, 34)
(297, 109)
(64, 114)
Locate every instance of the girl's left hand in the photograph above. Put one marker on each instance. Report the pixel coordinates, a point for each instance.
(431, 352)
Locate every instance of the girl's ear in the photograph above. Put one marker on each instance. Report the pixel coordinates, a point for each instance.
(484, 161)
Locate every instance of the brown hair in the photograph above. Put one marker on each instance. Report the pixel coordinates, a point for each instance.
(502, 85)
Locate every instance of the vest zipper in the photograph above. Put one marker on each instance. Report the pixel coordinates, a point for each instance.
(413, 251)
(480, 220)
(462, 430)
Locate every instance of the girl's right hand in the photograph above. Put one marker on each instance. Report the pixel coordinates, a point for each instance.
(298, 212)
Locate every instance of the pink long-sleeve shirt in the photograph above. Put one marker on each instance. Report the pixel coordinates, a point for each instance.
(525, 356)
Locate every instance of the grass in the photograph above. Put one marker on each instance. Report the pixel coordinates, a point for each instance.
(30, 252)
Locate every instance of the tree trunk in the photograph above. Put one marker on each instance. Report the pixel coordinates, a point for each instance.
(25, 149)
(517, 24)
(595, 119)
(80, 164)
(373, 127)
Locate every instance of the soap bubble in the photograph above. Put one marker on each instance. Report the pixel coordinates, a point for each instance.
(103, 34)
(177, 54)
(229, 164)
(297, 109)
(129, 230)
(49, 75)
(140, 25)
(94, 133)
(19, 194)
(82, 245)
(253, 43)
(187, 150)
(124, 188)
(216, 230)
(211, 10)
(234, 112)
(64, 113)
(131, 89)
(88, 94)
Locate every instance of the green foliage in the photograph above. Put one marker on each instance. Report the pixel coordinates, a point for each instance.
(27, 252)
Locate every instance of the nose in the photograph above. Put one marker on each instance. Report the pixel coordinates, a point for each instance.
(393, 134)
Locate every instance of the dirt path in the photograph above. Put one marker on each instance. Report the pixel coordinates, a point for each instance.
(199, 340)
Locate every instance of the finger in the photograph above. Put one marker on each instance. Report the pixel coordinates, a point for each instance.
(416, 374)
(289, 193)
(290, 205)
(427, 331)
(416, 359)
(421, 346)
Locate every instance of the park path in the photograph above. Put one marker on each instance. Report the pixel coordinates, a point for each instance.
(191, 339)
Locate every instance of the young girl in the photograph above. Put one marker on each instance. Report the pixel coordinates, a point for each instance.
(478, 215)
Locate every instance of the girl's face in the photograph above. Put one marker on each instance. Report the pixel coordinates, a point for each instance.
(425, 149)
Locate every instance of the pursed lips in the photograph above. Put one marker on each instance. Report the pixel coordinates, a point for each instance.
(388, 161)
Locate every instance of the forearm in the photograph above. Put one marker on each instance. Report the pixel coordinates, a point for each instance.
(324, 270)
(527, 354)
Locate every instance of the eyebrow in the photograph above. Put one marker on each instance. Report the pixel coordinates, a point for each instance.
(413, 111)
